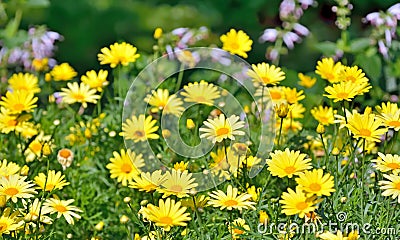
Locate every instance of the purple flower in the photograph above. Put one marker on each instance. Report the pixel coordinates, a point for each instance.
(300, 29)
(383, 49)
(286, 8)
(290, 38)
(395, 10)
(221, 56)
(179, 31)
(375, 19)
(272, 55)
(306, 3)
(388, 37)
(269, 35)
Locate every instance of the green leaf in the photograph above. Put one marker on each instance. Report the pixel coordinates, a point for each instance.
(359, 44)
(327, 48)
(37, 3)
(372, 66)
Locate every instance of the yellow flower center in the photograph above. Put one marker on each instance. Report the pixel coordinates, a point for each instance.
(266, 79)
(60, 208)
(78, 97)
(200, 99)
(176, 188)
(365, 132)
(238, 231)
(49, 187)
(11, 191)
(290, 169)
(12, 123)
(315, 187)
(393, 165)
(330, 76)
(166, 220)
(222, 131)
(323, 119)
(35, 146)
(394, 123)
(234, 45)
(275, 95)
(342, 95)
(139, 133)
(65, 153)
(397, 186)
(126, 168)
(19, 107)
(149, 187)
(351, 78)
(230, 203)
(301, 205)
(3, 226)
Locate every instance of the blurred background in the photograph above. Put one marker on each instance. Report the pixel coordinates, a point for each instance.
(89, 25)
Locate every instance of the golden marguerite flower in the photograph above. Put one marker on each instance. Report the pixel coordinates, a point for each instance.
(15, 187)
(140, 128)
(63, 208)
(390, 114)
(391, 187)
(238, 227)
(352, 74)
(96, 80)
(19, 101)
(9, 221)
(162, 100)
(36, 208)
(346, 91)
(236, 42)
(297, 202)
(288, 163)
(306, 81)
(388, 162)
(63, 72)
(8, 168)
(76, 93)
(118, 53)
(324, 115)
(148, 182)
(331, 236)
(35, 148)
(221, 128)
(167, 214)
(54, 181)
(266, 74)
(8, 122)
(25, 82)
(328, 69)
(203, 93)
(293, 96)
(231, 199)
(365, 126)
(316, 183)
(125, 166)
(177, 183)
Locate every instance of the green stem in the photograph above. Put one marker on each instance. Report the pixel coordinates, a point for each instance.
(42, 199)
(325, 149)
(180, 77)
(280, 133)
(362, 177)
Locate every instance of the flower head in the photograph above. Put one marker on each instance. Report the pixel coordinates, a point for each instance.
(391, 187)
(140, 128)
(296, 202)
(221, 128)
(287, 163)
(76, 93)
(315, 182)
(25, 82)
(324, 115)
(63, 72)
(148, 182)
(162, 100)
(306, 81)
(266, 74)
(328, 69)
(365, 126)
(203, 93)
(125, 166)
(388, 162)
(236, 42)
(15, 187)
(177, 183)
(231, 199)
(96, 80)
(19, 101)
(63, 208)
(118, 53)
(52, 181)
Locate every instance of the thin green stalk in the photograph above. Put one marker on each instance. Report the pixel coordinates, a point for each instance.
(362, 177)
(42, 199)
(280, 133)
(325, 149)
(198, 217)
(180, 77)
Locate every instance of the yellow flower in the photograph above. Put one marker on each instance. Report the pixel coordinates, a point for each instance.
(287, 163)
(203, 93)
(331, 236)
(297, 203)
(181, 166)
(9, 221)
(365, 126)
(35, 148)
(345, 91)
(264, 218)
(40, 65)
(96, 80)
(157, 33)
(324, 115)
(237, 226)
(35, 208)
(291, 125)
(231, 200)
(293, 96)
(390, 114)
(250, 162)
(236, 42)
(315, 182)
(391, 187)
(190, 123)
(118, 53)
(306, 81)
(8, 122)
(276, 94)
(254, 192)
(296, 111)
(352, 74)
(221, 128)
(15, 187)
(63, 72)
(63, 208)
(199, 202)
(177, 183)
(388, 163)
(24, 82)
(19, 101)
(148, 181)
(54, 181)
(266, 74)
(125, 166)
(8, 168)
(76, 93)
(140, 129)
(167, 214)
(162, 100)
(328, 69)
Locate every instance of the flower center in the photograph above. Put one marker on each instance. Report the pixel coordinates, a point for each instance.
(275, 95)
(166, 220)
(315, 187)
(351, 78)
(139, 133)
(3, 226)
(365, 132)
(290, 169)
(19, 107)
(238, 231)
(323, 119)
(200, 99)
(65, 153)
(234, 45)
(394, 123)
(126, 168)
(12, 123)
(78, 97)
(397, 186)
(266, 79)
(342, 95)
(393, 165)
(222, 131)
(36, 147)
(231, 202)
(49, 187)
(330, 76)
(301, 205)
(149, 187)
(11, 191)
(176, 188)
(60, 208)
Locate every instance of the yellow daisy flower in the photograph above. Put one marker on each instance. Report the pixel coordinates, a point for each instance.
(293, 96)
(331, 236)
(8, 122)
(33, 212)
(40, 65)
(63, 72)
(35, 148)
(24, 82)
(167, 214)
(296, 111)
(221, 128)
(9, 221)
(345, 91)
(275, 93)
(324, 115)
(96, 80)
(76, 93)
(250, 162)
(200, 202)
(181, 166)
(177, 183)
(148, 182)
(266, 74)
(287, 163)
(162, 100)
(220, 165)
(291, 125)
(8, 168)
(125, 166)
(231, 199)
(352, 74)
(390, 114)
(236, 42)
(15, 187)
(365, 126)
(388, 162)
(54, 181)
(237, 226)
(140, 128)
(328, 69)
(296, 202)
(316, 183)
(118, 53)
(391, 187)
(19, 101)
(306, 81)
(63, 208)
(203, 93)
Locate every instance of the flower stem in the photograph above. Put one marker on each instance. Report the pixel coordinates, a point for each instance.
(280, 133)
(180, 77)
